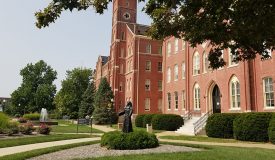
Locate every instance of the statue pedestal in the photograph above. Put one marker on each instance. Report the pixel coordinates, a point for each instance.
(119, 126)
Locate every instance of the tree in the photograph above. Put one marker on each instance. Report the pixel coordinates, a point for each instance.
(37, 90)
(88, 99)
(104, 112)
(69, 98)
(247, 27)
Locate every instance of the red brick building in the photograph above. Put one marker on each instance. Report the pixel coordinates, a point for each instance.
(191, 89)
(134, 66)
(172, 77)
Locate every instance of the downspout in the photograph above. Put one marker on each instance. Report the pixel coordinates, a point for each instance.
(187, 77)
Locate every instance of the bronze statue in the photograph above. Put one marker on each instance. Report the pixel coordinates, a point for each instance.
(127, 124)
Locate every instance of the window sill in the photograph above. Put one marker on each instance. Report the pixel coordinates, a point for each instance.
(233, 65)
(197, 110)
(195, 75)
(235, 109)
(269, 108)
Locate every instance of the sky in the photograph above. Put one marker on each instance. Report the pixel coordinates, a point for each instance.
(75, 40)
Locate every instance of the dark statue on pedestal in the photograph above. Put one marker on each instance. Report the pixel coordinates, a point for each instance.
(127, 124)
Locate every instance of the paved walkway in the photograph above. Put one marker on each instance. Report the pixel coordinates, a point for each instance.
(103, 128)
(29, 147)
(240, 144)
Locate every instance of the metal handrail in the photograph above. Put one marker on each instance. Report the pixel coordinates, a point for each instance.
(201, 122)
(187, 116)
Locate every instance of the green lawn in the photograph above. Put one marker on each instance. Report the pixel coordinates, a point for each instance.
(200, 139)
(208, 153)
(68, 127)
(138, 129)
(38, 139)
(38, 152)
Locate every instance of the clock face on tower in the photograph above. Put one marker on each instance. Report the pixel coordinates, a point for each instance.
(126, 16)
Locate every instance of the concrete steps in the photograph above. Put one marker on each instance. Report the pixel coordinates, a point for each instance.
(188, 127)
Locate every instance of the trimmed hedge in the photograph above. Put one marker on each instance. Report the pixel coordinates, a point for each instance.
(252, 127)
(139, 120)
(168, 122)
(32, 116)
(129, 141)
(271, 130)
(147, 119)
(220, 125)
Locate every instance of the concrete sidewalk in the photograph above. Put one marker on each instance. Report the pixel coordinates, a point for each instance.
(103, 128)
(30, 147)
(240, 144)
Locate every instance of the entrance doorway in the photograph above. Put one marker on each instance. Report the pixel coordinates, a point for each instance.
(216, 100)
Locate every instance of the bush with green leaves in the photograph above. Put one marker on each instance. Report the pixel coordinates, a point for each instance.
(252, 127)
(32, 116)
(4, 120)
(271, 130)
(220, 125)
(168, 122)
(12, 128)
(139, 120)
(129, 141)
(27, 128)
(148, 119)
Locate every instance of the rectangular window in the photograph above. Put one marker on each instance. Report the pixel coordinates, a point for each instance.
(168, 75)
(160, 50)
(121, 69)
(120, 86)
(176, 101)
(183, 70)
(232, 58)
(176, 45)
(160, 66)
(176, 72)
(147, 85)
(160, 85)
(268, 92)
(148, 66)
(159, 104)
(122, 53)
(122, 35)
(169, 49)
(183, 45)
(147, 104)
(183, 100)
(148, 48)
(169, 100)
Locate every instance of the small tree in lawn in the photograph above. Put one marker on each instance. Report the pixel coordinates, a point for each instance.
(104, 112)
(87, 103)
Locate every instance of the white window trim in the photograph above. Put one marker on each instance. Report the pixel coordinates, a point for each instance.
(196, 63)
(176, 72)
(234, 80)
(197, 100)
(264, 94)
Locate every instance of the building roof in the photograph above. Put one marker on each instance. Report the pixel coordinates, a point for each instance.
(104, 59)
(139, 29)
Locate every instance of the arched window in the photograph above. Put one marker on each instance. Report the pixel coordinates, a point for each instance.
(196, 63)
(197, 104)
(205, 62)
(183, 70)
(169, 75)
(169, 49)
(235, 95)
(176, 72)
(268, 92)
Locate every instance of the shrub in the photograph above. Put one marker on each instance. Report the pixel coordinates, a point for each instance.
(252, 127)
(44, 129)
(148, 119)
(12, 128)
(4, 120)
(27, 128)
(220, 125)
(129, 141)
(168, 122)
(271, 130)
(139, 120)
(22, 120)
(32, 116)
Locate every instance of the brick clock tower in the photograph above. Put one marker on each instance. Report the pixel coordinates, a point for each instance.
(124, 12)
(134, 65)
